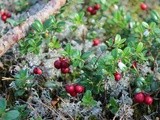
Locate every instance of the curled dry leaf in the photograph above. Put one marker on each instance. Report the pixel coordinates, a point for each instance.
(55, 101)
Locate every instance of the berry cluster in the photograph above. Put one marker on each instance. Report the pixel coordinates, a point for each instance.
(5, 15)
(93, 9)
(74, 89)
(37, 71)
(63, 64)
(143, 98)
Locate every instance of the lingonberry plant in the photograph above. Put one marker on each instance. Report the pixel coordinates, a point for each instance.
(96, 59)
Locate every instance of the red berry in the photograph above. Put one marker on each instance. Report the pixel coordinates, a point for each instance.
(65, 70)
(97, 6)
(37, 71)
(143, 6)
(73, 94)
(79, 88)
(8, 14)
(4, 18)
(139, 97)
(134, 64)
(69, 88)
(64, 63)
(117, 76)
(96, 42)
(148, 100)
(90, 9)
(93, 12)
(57, 64)
(1, 13)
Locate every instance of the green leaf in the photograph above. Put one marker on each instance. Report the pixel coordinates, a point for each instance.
(139, 84)
(88, 100)
(117, 39)
(11, 115)
(12, 22)
(37, 26)
(141, 79)
(54, 43)
(3, 105)
(61, 24)
(48, 23)
(86, 55)
(19, 92)
(145, 24)
(68, 49)
(103, 1)
(113, 105)
(31, 49)
(137, 90)
(139, 47)
(127, 51)
(32, 42)
(154, 86)
(155, 15)
(50, 84)
(114, 53)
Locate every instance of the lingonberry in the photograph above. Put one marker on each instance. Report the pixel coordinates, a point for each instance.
(57, 64)
(69, 88)
(96, 42)
(143, 6)
(90, 9)
(37, 71)
(4, 18)
(65, 70)
(139, 97)
(79, 88)
(93, 12)
(117, 76)
(97, 6)
(64, 63)
(148, 100)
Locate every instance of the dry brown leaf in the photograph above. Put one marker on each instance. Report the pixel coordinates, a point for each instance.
(55, 101)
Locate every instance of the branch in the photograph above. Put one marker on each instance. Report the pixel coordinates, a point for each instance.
(19, 32)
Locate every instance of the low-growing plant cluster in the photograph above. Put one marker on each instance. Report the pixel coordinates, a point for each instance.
(94, 60)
